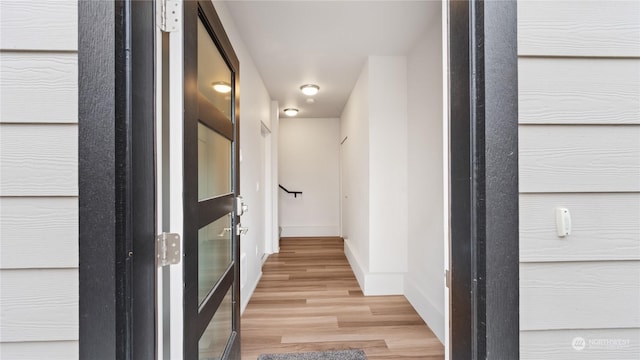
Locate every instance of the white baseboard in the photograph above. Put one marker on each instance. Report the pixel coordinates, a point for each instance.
(310, 231)
(373, 283)
(245, 300)
(384, 284)
(356, 266)
(425, 308)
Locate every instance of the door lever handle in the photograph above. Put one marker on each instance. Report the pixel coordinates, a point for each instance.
(241, 230)
(224, 231)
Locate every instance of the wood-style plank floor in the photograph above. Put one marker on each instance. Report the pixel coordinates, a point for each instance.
(309, 300)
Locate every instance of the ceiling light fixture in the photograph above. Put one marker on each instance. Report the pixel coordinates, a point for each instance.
(291, 112)
(310, 89)
(221, 87)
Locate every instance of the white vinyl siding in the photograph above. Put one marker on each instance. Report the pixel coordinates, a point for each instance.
(47, 25)
(31, 225)
(598, 219)
(579, 158)
(55, 350)
(39, 159)
(552, 344)
(38, 180)
(579, 28)
(579, 295)
(579, 91)
(579, 114)
(39, 305)
(36, 87)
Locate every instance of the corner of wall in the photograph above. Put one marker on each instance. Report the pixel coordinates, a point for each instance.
(377, 284)
(425, 308)
(373, 283)
(356, 266)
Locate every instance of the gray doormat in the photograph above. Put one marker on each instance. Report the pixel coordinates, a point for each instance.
(322, 355)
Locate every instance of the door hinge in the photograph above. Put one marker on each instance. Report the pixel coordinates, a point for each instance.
(169, 15)
(447, 278)
(168, 249)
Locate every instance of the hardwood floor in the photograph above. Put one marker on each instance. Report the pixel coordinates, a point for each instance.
(309, 300)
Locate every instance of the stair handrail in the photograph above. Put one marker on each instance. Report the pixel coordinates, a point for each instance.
(295, 193)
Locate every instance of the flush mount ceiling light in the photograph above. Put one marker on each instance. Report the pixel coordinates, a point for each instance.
(310, 89)
(291, 112)
(221, 87)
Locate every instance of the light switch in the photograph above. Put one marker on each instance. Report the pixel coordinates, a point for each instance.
(563, 222)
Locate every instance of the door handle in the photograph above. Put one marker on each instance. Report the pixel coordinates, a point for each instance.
(224, 231)
(241, 230)
(241, 207)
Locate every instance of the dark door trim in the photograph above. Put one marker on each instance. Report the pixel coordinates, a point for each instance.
(116, 179)
(484, 180)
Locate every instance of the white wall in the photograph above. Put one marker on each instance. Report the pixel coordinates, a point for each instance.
(255, 109)
(424, 281)
(38, 180)
(388, 164)
(579, 144)
(275, 164)
(354, 185)
(309, 161)
(377, 104)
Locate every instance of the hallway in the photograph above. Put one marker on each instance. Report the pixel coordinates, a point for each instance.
(309, 300)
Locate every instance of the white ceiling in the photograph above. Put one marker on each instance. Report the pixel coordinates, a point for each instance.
(325, 43)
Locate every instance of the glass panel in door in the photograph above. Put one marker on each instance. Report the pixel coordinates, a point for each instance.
(214, 254)
(214, 76)
(214, 163)
(214, 340)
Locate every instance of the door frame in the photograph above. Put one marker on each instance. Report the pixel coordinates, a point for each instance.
(484, 252)
(116, 174)
(117, 267)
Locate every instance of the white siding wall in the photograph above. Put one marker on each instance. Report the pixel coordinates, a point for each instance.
(579, 89)
(38, 180)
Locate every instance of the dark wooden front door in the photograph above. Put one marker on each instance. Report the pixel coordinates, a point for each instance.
(211, 185)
